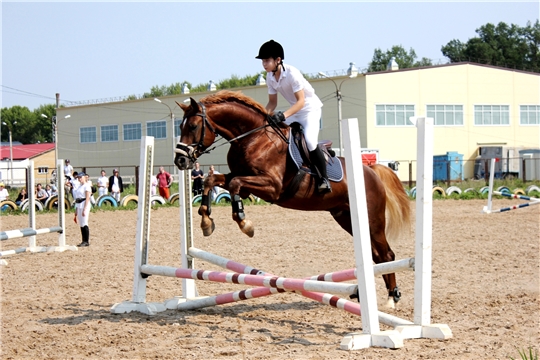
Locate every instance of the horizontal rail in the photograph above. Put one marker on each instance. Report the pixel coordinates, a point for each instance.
(19, 233)
(254, 280)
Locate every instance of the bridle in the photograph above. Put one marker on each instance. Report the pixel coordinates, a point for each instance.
(195, 150)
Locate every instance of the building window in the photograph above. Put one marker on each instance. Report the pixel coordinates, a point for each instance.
(109, 133)
(42, 170)
(177, 123)
(87, 134)
(446, 114)
(491, 115)
(132, 132)
(529, 114)
(157, 129)
(394, 115)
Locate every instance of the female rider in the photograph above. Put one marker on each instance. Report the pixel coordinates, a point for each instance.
(305, 106)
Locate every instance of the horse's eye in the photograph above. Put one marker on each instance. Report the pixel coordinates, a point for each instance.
(193, 126)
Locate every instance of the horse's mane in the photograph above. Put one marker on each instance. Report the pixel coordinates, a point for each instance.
(236, 96)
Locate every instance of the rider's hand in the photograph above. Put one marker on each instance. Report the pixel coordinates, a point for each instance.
(277, 117)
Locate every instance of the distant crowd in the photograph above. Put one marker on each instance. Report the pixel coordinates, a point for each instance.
(112, 185)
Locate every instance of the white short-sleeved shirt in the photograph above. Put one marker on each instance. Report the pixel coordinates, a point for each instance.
(291, 81)
(103, 181)
(68, 170)
(80, 193)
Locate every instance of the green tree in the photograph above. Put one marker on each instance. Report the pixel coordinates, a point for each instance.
(502, 45)
(22, 123)
(403, 58)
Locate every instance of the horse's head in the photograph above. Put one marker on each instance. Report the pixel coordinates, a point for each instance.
(197, 134)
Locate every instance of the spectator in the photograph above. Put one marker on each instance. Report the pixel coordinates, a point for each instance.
(54, 190)
(153, 184)
(21, 197)
(103, 183)
(68, 170)
(215, 189)
(115, 185)
(4, 194)
(197, 176)
(74, 184)
(48, 190)
(164, 183)
(82, 208)
(92, 189)
(41, 194)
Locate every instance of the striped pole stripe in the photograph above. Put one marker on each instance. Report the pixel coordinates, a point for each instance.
(255, 280)
(223, 262)
(378, 269)
(19, 233)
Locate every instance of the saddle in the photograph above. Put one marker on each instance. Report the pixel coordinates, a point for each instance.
(297, 134)
(299, 154)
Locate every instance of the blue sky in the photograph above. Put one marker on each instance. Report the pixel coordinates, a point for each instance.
(96, 50)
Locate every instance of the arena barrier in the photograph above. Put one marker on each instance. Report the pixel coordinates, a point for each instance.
(269, 284)
(31, 232)
(488, 208)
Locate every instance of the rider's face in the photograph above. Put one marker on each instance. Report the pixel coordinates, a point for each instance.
(270, 64)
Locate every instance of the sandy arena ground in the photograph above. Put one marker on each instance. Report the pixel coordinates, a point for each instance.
(57, 305)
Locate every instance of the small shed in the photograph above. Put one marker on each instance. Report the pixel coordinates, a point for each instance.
(448, 166)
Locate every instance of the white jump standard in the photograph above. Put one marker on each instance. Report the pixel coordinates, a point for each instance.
(488, 209)
(31, 232)
(327, 284)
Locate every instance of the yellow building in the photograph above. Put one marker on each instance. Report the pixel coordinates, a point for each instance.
(472, 105)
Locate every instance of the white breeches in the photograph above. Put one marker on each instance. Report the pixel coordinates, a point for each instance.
(310, 121)
(83, 220)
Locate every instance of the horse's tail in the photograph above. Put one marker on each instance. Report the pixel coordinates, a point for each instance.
(398, 211)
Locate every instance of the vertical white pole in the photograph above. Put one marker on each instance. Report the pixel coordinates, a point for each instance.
(360, 225)
(424, 220)
(31, 203)
(61, 202)
(189, 289)
(143, 218)
(491, 179)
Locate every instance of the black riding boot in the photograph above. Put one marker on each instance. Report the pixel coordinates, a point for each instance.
(85, 233)
(317, 158)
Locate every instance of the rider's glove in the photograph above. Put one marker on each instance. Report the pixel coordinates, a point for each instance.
(277, 118)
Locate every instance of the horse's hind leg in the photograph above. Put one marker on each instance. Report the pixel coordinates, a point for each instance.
(382, 253)
(380, 250)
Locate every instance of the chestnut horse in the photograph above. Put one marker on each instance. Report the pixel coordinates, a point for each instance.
(260, 165)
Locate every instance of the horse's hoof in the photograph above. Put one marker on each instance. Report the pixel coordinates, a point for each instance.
(208, 227)
(247, 228)
(390, 303)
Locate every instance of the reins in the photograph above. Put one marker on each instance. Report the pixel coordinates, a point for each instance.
(200, 144)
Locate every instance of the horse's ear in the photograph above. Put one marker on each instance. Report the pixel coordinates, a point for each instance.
(182, 106)
(194, 104)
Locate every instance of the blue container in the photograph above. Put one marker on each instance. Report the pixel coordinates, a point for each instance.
(440, 166)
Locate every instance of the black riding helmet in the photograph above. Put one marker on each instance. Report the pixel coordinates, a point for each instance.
(271, 49)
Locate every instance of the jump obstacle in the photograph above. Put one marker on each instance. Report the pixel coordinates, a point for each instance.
(31, 232)
(317, 287)
(488, 209)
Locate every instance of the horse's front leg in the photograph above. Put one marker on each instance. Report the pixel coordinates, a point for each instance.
(207, 223)
(242, 186)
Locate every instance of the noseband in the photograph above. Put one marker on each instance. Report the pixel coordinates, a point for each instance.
(193, 151)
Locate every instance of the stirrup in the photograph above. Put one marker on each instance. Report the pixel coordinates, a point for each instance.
(324, 186)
